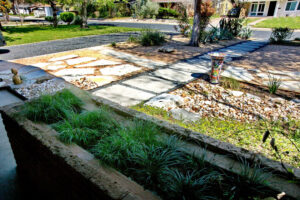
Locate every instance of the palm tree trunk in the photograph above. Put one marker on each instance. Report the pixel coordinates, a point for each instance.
(196, 24)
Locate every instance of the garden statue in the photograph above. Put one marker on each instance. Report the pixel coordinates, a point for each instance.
(16, 78)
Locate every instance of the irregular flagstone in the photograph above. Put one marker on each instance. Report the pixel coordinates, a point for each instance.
(101, 80)
(5, 72)
(125, 96)
(80, 60)
(238, 73)
(150, 83)
(174, 75)
(74, 72)
(134, 59)
(58, 63)
(119, 70)
(101, 62)
(286, 73)
(183, 66)
(40, 65)
(63, 58)
(55, 67)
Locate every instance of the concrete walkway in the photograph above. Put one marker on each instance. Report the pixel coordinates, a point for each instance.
(148, 85)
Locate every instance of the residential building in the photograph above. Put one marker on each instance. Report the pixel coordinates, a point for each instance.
(278, 8)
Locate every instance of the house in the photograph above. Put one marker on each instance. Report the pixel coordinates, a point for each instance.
(277, 8)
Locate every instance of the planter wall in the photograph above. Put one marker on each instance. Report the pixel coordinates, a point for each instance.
(59, 171)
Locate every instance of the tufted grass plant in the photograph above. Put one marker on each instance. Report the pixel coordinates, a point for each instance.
(52, 108)
(273, 84)
(87, 128)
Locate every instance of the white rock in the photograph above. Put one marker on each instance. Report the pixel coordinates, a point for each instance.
(101, 62)
(63, 58)
(119, 70)
(185, 116)
(278, 100)
(2, 84)
(296, 100)
(80, 60)
(166, 101)
(236, 93)
(254, 97)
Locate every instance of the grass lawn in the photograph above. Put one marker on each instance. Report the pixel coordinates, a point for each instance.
(15, 35)
(290, 22)
(243, 134)
(250, 20)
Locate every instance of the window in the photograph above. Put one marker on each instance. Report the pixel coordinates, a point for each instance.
(298, 6)
(291, 5)
(257, 8)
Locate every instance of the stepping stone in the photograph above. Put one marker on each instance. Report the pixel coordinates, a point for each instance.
(5, 72)
(40, 65)
(63, 58)
(125, 96)
(134, 59)
(27, 69)
(55, 67)
(119, 70)
(237, 73)
(191, 68)
(174, 75)
(150, 83)
(80, 60)
(101, 62)
(58, 63)
(101, 80)
(74, 72)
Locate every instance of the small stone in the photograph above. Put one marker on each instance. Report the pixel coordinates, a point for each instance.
(166, 101)
(166, 49)
(237, 93)
(296, 100)
(278, 100)
(183, 115)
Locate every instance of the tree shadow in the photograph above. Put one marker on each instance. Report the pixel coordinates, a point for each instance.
(3, 51)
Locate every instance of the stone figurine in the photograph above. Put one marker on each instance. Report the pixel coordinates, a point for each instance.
(16, 78)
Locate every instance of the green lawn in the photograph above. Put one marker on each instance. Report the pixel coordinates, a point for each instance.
(290, 22)
(250, 20)
(15, 35)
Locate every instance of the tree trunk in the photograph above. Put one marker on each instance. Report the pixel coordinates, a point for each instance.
(196, 24)
(84, 14)
(54, 9)
(13, 7)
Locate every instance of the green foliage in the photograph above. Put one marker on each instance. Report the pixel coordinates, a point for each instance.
(167, 12)
(152, 38)
(232, 25)
(192, 185)
(87, 128)
(245, 33)
(279, 35)
(247, 135)
(230, 83)
(184, 24)
(113, 44)
(133, 39)
(78, 20)
(273, 84)
(278, 22)
(52, 108)
(145, 9)
(67, 17)
(49, 19)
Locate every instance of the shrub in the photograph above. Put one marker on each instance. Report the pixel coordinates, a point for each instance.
(167, 12)
(279, 35)
(230, 83)
(78, 20)
(133, 39)
(146, 9)
(245, 33)
(273, 84)
(49, 19)
(67, 17)
(52, 108)
(113, 44)
(152, 38)
(232, 25)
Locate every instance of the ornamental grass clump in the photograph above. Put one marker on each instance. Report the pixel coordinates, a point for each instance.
(273, 84)
(52, 108)
(87, 128)
(152, 38)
